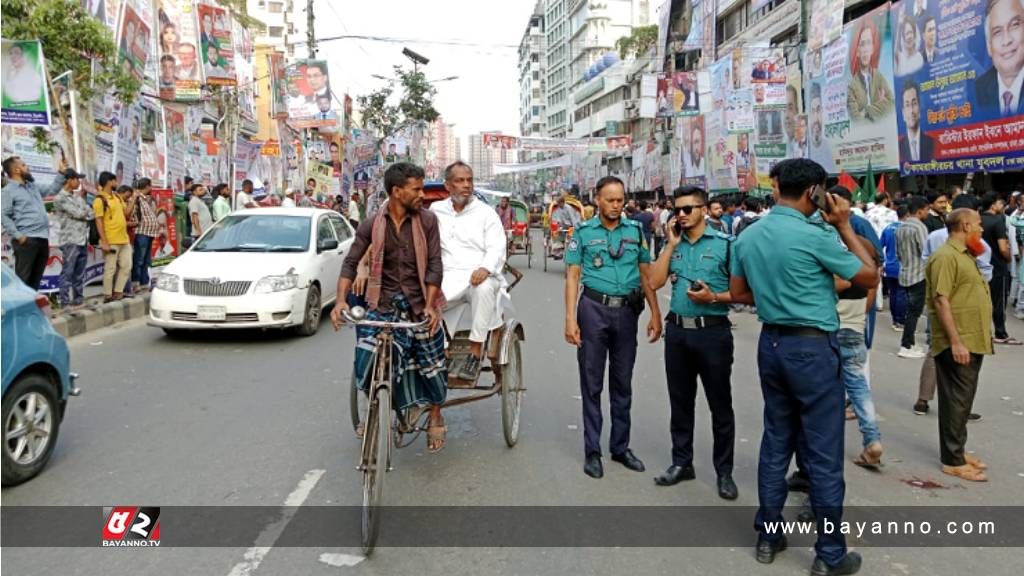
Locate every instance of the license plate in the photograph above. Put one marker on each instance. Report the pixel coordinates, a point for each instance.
(212, 313)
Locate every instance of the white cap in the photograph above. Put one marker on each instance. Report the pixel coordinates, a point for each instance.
(289, 191)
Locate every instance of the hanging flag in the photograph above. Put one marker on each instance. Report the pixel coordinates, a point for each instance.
(867, 194)
(881, 183)
(847, 181)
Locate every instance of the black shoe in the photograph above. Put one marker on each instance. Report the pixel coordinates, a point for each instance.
(674, 475)
(972, 417)
(629, 460)
(727, 488)
(592, 467)
(766, 550)
(921, 408)
(850, 564)
(799, 482)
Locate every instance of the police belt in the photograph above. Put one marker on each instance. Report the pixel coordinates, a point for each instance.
(605, 299)
(698, 322)
(796, 330)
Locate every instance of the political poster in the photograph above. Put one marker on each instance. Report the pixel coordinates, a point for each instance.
(19, 141)
(247, 157)
(739, 111)
(106, 115)
(396, 147)
(278, 85)
(721, 154)
(795, 123)
(153, 149)
(84, 141)
(216, 49)
(852, 112)
(620, 145)
(245, 73)
(26, 101)
(765, 64)
(685, 98)
(133, 42)
(309, 95)
(692, 150)
(180, 70)
(177, 143)
(165, 245)
(663, 100)
(959, 98)
(769, 146)
(127, 143)
(825, 22)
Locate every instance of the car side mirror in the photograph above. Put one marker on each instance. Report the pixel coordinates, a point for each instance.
(327, 245)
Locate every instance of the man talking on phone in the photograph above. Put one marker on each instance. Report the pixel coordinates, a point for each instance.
(698, 337)
(786, 266)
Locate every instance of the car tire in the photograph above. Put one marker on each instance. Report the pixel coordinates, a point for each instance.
(42, 392)
(312, 314)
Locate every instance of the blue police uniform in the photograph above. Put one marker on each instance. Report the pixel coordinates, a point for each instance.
(698, 342)
(789, 262)
(610, 271)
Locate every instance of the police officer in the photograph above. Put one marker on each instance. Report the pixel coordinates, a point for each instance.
(786, 264)
(698, 337)
(609, 255)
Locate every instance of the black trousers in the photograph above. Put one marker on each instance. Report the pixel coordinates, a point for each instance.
(997, 287)
(30, 260)
(915, 306)
(957, 384)
(706, 353)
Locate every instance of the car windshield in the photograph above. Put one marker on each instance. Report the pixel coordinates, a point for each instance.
(257, 233)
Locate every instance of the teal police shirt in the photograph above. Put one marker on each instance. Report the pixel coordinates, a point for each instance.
(707, 259)
(608, 258)
(789, 261)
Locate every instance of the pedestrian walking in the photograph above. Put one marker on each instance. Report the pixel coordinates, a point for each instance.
(698, 336)
(112, 224)
(787, 264)
(960, 309)
(221, 202)
(910, 242)
(610, 257)
(891, 271)
(198, 213)
(148, 228)
(995, 234)
(73, 215)
(25, 220)
(354, 214)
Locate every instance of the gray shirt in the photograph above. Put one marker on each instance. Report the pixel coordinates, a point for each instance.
(197, 206)
(911, 238)
(24, 213)
(73, 215)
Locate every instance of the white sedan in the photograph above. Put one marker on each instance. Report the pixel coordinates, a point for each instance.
(259, 268)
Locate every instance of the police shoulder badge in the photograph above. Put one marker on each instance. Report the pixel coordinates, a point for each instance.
(574, 244)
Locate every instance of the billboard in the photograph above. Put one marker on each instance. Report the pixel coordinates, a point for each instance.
(309, 95)
(852, 112)
(215, 48)
(133, 42)
(959, 97)
(25, 97)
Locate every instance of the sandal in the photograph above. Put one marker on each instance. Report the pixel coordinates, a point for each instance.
(974, 462)
(871, 457)
(965, 472)
(360, 430)
(436, 433)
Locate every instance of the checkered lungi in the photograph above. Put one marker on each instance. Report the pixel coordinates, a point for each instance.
(419, 370)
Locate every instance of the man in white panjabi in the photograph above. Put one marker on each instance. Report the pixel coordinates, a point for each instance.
(473, 251)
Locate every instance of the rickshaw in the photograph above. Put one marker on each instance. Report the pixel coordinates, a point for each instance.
(386, 428)
(555, 239)
(519, 237)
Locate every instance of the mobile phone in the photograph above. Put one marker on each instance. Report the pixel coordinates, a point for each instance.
(819, 198)
(677, 228)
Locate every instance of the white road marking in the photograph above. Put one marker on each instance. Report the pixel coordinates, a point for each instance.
(341, 559)
(269, 535)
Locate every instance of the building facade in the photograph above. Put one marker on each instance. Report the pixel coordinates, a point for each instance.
(279, 16)
(482, 159)
(556, 90)
(532, 81)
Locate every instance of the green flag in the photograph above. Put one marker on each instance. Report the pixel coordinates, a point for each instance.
(866, 193)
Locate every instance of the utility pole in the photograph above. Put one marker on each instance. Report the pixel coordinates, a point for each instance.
(310, 32)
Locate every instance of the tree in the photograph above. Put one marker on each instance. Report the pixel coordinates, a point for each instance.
(415, 106)
(639, 41)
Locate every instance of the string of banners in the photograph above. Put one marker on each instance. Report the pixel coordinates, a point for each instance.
(528, 144)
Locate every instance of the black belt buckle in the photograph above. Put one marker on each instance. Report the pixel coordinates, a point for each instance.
(613, 301)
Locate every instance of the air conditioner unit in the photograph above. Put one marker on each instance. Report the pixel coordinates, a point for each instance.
(630, 78)
(630, 104)
(632, 114)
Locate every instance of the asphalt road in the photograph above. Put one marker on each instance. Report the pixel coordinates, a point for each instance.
(234, 419)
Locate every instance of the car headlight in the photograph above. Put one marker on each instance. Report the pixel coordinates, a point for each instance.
(269, 284)
(168, 282)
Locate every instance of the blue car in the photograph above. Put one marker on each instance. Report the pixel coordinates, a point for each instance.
(36, 380)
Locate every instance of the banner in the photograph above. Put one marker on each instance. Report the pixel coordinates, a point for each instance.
(126, 146)
(165, 245)
(153, 148)
(26, 99)
(309, 95)
(664, 101)
(620, 145)
(960, 102)
(721, 176)
(278, 85)
(320, 174)
(178, 45)
(247, 156)
(133, 42)
(769, 145)
(795, 123)
(397, 147)
(825, 22)
(852, 117)
(245, 73)
(177, 142)
(685, 99)
(83, 139)
(692, 150)
(500, 142)
(218, 54)
(19, 141)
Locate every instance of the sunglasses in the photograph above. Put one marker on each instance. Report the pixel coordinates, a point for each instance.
(687, 209)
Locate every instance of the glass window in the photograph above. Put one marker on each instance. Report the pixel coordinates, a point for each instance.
(341, 228)
(324, 230)
(257, 233)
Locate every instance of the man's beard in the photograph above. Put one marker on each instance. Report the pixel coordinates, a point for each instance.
(460, 200)
(28, 177)
(975, 246)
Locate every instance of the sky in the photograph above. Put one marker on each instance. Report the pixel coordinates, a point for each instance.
(486, 95)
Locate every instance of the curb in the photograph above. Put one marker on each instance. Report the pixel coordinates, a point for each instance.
(92, 319)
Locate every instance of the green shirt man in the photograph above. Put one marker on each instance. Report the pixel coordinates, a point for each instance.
(608, 257)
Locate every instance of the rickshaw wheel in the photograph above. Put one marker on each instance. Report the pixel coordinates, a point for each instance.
(512, 393)
(355, 409)
(378, 437)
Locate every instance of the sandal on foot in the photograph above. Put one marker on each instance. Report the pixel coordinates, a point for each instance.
(975, 462)
(871, 457)
(436, 433)
(360, 430)
(965, 472)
